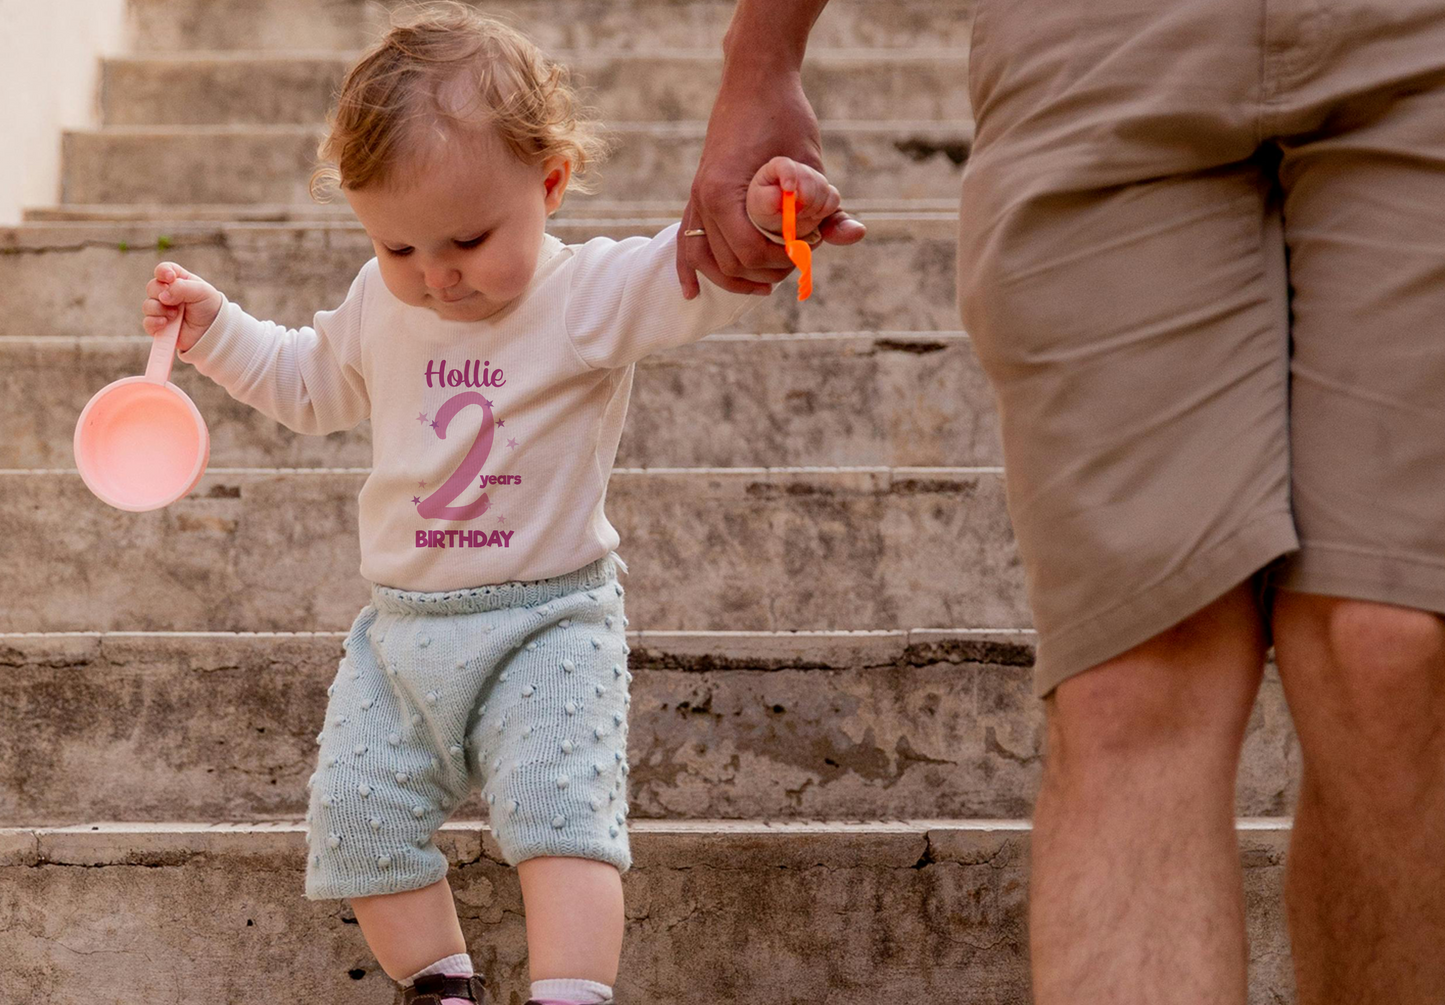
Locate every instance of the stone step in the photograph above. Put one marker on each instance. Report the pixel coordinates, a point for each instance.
(199, 164)
(88, 278)
(785, 400)
(292, 25)
(710, 549)
(837, 725)
(913, 910)
(590, 209)
(645, 85)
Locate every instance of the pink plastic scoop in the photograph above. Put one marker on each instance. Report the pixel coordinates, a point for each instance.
(140, 442)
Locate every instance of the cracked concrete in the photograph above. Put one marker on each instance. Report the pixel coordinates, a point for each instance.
(925, 408)
(870, 542)
(220, 726)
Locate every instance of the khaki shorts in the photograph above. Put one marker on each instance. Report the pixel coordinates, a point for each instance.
(1202, 262)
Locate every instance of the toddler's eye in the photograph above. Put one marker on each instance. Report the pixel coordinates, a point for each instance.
(474, 241)
(399, 252)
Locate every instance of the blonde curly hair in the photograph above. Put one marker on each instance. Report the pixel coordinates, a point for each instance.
(444, 67)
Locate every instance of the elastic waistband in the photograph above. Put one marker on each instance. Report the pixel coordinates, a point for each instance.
(498, 596)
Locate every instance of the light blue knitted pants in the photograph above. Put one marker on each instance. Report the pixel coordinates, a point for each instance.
(520, 688)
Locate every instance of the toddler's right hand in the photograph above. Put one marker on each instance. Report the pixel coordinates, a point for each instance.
(172, 287)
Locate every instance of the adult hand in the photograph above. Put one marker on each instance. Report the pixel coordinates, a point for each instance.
(758, 115)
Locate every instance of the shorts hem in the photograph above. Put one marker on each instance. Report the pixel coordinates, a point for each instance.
(618, 857)
(1402, 580)
(1164, 604)
(363, 888)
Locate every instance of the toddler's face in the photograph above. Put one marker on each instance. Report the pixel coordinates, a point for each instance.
(462, 237)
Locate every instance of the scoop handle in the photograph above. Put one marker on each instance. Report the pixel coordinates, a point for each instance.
(163, 350)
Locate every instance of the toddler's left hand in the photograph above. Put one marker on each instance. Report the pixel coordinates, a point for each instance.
(817, 200)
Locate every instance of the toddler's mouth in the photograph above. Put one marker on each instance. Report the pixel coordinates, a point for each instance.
(457, 300)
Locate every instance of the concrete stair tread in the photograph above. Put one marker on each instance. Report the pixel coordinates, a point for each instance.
(768, 399)
(109, 231)
(895, 910)
(643, 84)
(725, 724)
(648, 54)
(67, 838)
(873, 543)
(591, 209)
(273, 163)
(674, 129)
(88, 277)
(289, 25)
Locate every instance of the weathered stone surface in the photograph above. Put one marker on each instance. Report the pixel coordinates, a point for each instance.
(292, 25)
(893, 399)
(643, 86)
(273, 163)
(89, 278)
(906, 911)
(141, 727)
(709, 549)
(596, 209)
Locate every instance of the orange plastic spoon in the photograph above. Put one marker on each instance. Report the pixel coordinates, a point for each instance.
(798, 251)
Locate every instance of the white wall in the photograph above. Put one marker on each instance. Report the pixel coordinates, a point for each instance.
(49, 69)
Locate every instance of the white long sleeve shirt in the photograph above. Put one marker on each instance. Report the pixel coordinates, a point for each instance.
(492, 441)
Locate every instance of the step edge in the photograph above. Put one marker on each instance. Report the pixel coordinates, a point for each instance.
(655, 826)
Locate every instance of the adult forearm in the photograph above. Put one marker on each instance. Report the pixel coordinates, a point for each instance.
(770, 34)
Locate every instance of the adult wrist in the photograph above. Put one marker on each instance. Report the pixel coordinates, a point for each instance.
(769, 36)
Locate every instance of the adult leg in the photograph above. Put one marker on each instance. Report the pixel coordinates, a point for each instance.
(1365, 887)
(1122, 277)
(1136, 892)
(1362, 140)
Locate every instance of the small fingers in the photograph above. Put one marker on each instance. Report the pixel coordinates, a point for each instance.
(686, 273)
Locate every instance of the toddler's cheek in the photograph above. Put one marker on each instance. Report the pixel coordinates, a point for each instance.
(509, 281)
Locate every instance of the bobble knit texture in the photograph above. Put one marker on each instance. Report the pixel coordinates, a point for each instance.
(521, 688)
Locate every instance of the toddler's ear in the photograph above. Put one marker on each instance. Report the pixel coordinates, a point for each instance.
(557, 172)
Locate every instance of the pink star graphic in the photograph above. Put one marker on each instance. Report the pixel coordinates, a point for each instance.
(421, 485)
(511, 444)
(421, 417)
(501, 519)
(416, 499)
(488, 403)
(433, 424)
(501, 423)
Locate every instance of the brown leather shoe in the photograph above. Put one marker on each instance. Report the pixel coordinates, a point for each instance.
(431, 989)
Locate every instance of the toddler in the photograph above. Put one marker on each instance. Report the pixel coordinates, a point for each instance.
(495, 364)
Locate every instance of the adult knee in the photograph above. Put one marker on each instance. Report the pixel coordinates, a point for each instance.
(1179, 701)
(1386, 653)
(1383, 684)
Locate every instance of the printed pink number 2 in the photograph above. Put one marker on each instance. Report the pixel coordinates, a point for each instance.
(434, 506)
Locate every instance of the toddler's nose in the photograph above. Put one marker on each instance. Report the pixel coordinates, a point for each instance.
(441, 279)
